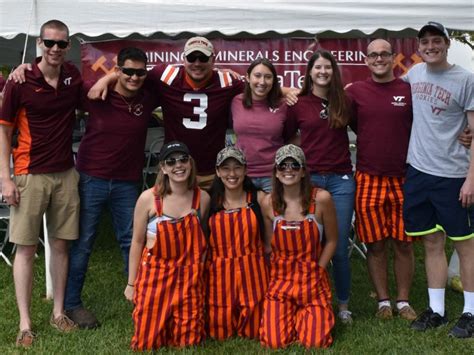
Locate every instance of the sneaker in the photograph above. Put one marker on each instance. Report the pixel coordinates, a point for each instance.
(429, 319)
(407, 313)
(384, 312)
(464, 328)
(25, 338)
(345, 316)
(62, 323)
(84, 318)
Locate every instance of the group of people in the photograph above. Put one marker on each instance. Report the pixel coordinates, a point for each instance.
(237, 240)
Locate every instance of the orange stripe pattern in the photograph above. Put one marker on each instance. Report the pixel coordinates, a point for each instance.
(379, 208)
(237, 275)
(169, 290)
(297, 305)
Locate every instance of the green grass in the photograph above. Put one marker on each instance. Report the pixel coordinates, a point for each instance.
(103, 295)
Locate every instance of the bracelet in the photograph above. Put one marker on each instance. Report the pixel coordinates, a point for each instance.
(130, 285)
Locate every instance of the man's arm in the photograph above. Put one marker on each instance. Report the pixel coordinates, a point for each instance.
(100, 88)
(466, 195)
(10, 192)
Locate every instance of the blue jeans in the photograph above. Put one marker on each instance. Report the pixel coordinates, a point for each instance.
(95, 194)
(342, 190)
(264, 183)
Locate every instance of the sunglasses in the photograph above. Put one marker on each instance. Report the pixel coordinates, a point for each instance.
(172, 161)
(132, 71)
(292, 166)
(375, 55)
(49, 43)
(191, 58)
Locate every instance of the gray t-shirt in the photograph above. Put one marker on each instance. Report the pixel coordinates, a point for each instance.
(440, 101)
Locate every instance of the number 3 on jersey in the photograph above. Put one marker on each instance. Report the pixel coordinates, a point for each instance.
(198, 110)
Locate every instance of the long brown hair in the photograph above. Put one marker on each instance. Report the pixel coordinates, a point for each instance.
(274, 95)
(338, 106)
(162, 184)
(279, 204)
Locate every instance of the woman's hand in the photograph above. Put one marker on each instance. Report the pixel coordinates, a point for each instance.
(128, 293)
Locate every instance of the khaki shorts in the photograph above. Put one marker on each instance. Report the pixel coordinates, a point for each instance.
(55, 195)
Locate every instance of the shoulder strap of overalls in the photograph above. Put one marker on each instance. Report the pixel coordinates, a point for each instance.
(158, 202)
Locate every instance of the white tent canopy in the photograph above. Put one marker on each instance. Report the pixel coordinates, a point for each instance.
(124, 17)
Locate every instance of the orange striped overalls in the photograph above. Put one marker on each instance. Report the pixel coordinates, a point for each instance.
(169, 289)
(237, 275)
(297, 305)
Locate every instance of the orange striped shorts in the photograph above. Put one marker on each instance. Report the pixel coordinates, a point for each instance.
(379, 208)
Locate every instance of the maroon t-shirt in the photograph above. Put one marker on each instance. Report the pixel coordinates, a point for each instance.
(382, 118)
(326, 149)
(199, 118)
(114, 142)
(44, 117)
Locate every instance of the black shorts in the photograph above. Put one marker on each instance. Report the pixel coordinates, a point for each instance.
(432, 204)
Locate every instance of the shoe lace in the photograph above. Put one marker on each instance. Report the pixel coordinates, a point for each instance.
(26, 334)
(64, 322)
(466, 320)
(345, 314)
(426, 315)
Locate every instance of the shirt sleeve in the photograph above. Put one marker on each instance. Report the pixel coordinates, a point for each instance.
(11, 103)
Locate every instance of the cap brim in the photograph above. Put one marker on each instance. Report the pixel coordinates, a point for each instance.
(206, 52)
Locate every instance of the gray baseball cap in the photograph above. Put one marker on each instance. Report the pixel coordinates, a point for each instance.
(290, 151)
(230, 152)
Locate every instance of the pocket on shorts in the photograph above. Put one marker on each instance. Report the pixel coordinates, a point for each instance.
(20, 181)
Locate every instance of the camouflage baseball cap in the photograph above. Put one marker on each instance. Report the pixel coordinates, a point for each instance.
(230, 152)
(290, 151)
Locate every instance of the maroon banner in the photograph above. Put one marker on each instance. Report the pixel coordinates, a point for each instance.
(289, 55)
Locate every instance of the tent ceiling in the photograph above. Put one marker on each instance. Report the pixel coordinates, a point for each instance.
(123, 17)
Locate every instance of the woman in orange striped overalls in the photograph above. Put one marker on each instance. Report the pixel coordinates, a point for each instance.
(297, 305)
(166, 256)
(236, 271)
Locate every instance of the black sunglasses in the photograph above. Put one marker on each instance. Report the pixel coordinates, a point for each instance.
(49, 43)
(172, 161)
(133, 71)
(191, 58)
(293, 166)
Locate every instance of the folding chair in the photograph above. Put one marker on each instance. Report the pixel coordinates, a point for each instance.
(151, 162)
(355, 243)
(4, 227)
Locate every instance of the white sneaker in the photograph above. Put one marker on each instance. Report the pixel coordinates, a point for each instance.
(345, 316)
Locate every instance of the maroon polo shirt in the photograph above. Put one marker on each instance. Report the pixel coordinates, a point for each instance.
(114, 142)
(197, 117)
(326, 149)
(382, 117)
(44, 117)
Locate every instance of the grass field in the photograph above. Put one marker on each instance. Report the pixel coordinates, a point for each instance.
(103, 295)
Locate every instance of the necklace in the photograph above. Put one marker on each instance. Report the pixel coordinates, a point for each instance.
(324, 113)
(136, 109)
(129, 104)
